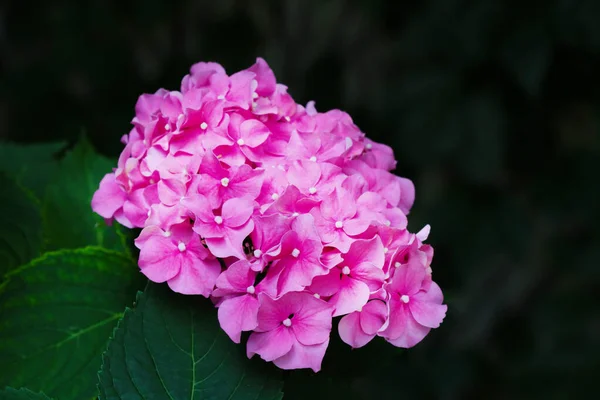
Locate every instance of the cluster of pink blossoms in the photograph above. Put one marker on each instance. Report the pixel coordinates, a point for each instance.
(284, 216)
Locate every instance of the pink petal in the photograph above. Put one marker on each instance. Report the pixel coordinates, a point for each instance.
(253, 132)
(272, 344)
(408, 278)
(352, 296)
(238, 314)
(237, 211)
(195, 276)
(373, 316)
(370, 251)
(159, 259)
(301, 356)
(235, 279)
(327, 285)
(403, 330)
(264, 77)
(109, 197)
(427, 314)
(369, 274)
(272, 312)
(351, 333)
(312, 322)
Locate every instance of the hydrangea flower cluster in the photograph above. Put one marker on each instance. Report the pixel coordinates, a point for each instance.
(284, 216)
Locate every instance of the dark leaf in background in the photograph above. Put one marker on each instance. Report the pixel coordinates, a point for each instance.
(31, 165)
(68, 218)
(20, 226)
(56, 315)
(21, 394)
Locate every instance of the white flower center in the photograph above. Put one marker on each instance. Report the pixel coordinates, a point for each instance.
(221, 97)
(313, 159)
(312, 190)
(274, 196)
(369, 146)
(250, 289)
(295, 253)
(385, 250)
(287, 322)
(181, 247)
(346, 270)
(339, 224)
(240, 142)
(404, 298)
(295, 214)
(387, 222)
(397, 264)
(317, 295)
(167, 127)
(225, 182)
(167, 234)
(219, 220)
(257, 253)
(203, 125)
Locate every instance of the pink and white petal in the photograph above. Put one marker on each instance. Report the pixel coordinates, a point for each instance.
(351, 333)
(373, 316)
(327, 285)
(237, 278)
(312, 323)
(427, 314)
(369, 274)
(253, 132)
(238, 314)
(301, 356)
(352, 296)
(237, 211)
(159, 259)
(366, 251)
(195, 276)
(408, 278)
(411, 335)
(270, 345)
(109, 197)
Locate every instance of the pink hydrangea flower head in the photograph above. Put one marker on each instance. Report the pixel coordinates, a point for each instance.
(285, 216)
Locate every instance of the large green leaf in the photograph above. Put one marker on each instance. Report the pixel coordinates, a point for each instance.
(68, 218)
(20, 226)
(21, 394)
(31, 165)
(56, 315)
(171, 347)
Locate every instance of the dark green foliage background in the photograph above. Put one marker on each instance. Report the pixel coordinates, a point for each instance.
(491, 106)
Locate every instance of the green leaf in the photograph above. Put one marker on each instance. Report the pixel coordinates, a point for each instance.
(171, 347)
(69, 221)
(20, 226)
(56, 315)
(21, 394)
(32, 166)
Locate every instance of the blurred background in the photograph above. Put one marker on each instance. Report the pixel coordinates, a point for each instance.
(492, 108)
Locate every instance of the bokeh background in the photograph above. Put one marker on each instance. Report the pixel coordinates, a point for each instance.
(492, 108)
